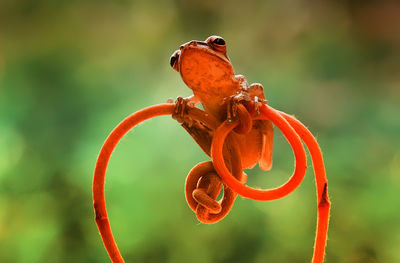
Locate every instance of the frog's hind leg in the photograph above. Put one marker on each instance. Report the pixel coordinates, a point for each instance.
(256, 91)
(267, 132)
(200, 133)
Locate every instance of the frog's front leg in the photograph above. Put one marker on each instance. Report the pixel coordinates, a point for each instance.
(253, 93)
(200, 133)
(255, 90)
(232, 103)
(182, 105)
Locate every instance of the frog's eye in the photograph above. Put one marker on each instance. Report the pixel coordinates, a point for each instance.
(173, 60)
(219, 41)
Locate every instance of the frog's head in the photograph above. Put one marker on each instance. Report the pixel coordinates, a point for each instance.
(203, 64)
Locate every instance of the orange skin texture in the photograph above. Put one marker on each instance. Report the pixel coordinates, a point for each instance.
(207, 71)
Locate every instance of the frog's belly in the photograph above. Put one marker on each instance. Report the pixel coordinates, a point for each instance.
(250, 146)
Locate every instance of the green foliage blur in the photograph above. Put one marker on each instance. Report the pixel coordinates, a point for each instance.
(70, 71)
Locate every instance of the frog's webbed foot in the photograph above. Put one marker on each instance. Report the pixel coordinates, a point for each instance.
(257, 90)
(233, 101)
(253, 93)
(181, 110)
(245, 97)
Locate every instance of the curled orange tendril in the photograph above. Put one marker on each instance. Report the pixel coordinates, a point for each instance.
(205, 181)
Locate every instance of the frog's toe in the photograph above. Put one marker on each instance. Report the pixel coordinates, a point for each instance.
(181, 109)
(233, 102)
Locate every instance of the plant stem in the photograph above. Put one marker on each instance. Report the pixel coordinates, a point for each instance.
(108, 147)
(321, 185)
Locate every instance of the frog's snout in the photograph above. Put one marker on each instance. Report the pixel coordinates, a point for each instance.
(192, 43)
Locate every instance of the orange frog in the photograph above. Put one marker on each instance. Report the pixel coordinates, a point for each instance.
(207, 71)
(225, 97)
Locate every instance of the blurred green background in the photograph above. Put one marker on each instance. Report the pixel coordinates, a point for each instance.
(72, 70)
